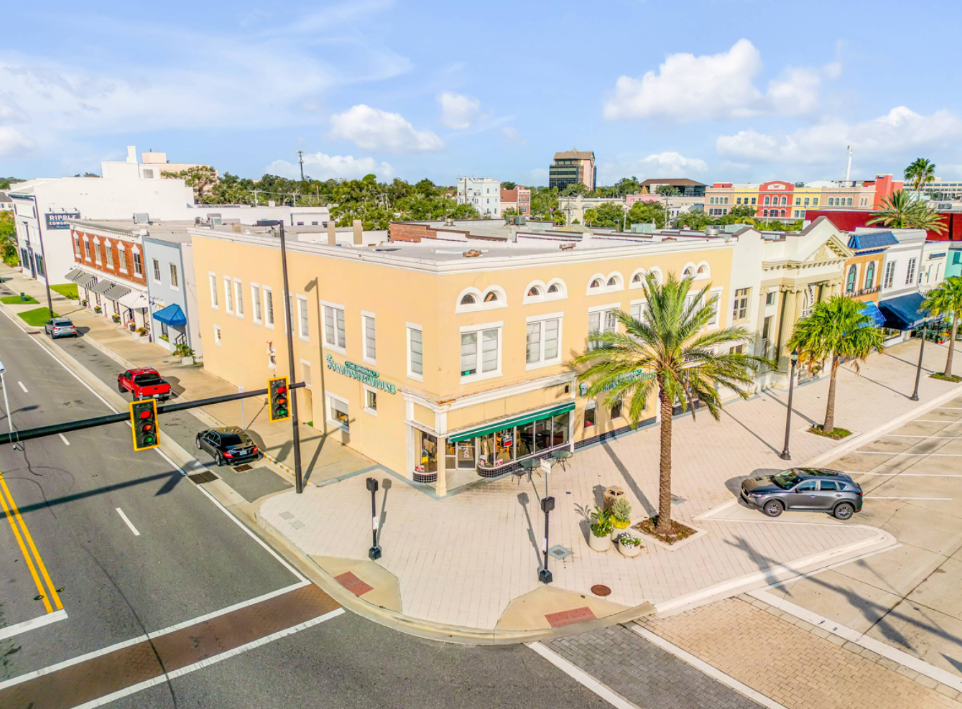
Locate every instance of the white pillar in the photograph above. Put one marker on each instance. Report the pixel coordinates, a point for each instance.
(441, 486)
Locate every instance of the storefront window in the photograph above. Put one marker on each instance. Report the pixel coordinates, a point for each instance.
(460, 455)
(427, 452)
(526, 444)
(560, 429)
(542, 435)
(590, 417)
(504, 446)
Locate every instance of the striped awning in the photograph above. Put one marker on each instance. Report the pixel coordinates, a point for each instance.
(116, 292)
(74, 274)
(519, 420)
(102, 287)
(86, 280)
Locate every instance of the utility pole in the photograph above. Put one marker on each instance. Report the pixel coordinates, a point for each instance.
(300, 159)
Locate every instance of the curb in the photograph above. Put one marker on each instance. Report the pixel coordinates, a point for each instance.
(427, 629)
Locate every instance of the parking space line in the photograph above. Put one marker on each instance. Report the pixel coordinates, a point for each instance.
(23, 387)
(128, 522)
(907, 435)
(912, 475)
(941, 455)
(64, 439)
(934, 499)
(33, 548)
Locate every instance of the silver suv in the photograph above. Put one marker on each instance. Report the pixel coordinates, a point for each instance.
(812, 489)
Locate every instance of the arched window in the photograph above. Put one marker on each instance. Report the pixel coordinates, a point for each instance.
(491, 296)
(554, 288)
(596, 283)
(639, 277)
(850, 281)
(870, 274)
(782, 213)
(614, 282)
(767, 200)
(469, 299)
(534, 292)
(784, 201)
(703, 271)
(688, 272)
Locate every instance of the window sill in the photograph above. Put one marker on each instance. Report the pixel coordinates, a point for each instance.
(471, 378)
(372, 412)
(239, 315)
(303, 339)
(369, 360)
(542, 365)
(335, 348)
(258, 322)
(269, 326)
(415, 377)
(337, 424)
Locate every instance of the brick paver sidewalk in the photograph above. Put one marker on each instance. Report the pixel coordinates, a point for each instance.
(781, 659)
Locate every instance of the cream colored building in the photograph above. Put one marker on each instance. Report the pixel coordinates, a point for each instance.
(442, 361)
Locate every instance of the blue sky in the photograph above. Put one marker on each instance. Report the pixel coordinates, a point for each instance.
(742, 90)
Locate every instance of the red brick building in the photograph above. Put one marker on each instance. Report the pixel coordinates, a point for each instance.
(518, 199)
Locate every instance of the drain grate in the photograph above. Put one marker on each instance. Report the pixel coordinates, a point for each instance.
(242, 468)
(204, 477)
(600, 590)
(559, 552)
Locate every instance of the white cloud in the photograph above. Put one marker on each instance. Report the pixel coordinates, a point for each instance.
(324, 167)
(538, 176)
(457, 110)
(513, 135)
(13, 142)
(374, 129)
(666, 164)
(716, 86)
(900, 130)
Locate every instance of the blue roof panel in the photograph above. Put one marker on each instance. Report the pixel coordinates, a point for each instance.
(874, 240)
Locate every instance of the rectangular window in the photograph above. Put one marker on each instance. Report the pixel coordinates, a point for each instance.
(110, 255)
(338, 413)
(148, 174)
(889, 274)
(239, 291)
(87, 249)
(767, 327)
(228, 296)
(814, 201)
(213, 289)
(740, 311)
(156, 265)
(716, 294)
(256, 303)
(370, 338)
(76, 244)
(479, 359)
(268, 307)
(543, 344)
(415, 352)
(600, 322)
(770, 297)
(910, 273)
(217, 340)
(121, 258)
(97, 252)
(370, 401)
(174, 282)
(616, 410)
(138, 264)
(334, 335)
(302, 327)
(638, 311)
(590, 411)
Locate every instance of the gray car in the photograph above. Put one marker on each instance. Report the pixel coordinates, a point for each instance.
(812, 489)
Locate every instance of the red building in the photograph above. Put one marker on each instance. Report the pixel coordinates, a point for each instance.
(775, 199)
(518, 199)
(849, 220)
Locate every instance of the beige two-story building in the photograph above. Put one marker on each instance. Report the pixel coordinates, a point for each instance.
(441, 360)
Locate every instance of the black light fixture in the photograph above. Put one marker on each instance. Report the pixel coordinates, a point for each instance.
(785, 454)
(374, 552)
(918, 371)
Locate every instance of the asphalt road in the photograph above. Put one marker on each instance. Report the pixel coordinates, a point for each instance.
(190, 558)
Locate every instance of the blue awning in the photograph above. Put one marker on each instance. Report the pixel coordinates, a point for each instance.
(904, 312)
(871, 309)
(172, 315)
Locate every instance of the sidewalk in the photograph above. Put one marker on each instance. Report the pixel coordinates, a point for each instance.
(321, 459)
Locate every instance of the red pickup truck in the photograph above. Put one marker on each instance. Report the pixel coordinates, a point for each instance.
(143, 384)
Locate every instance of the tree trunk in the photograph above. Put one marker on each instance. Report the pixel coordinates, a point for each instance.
(948, 357)
(664, 470)
(829, 424)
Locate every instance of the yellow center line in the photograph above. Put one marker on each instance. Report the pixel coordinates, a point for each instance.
(26, 556)
(33, 548)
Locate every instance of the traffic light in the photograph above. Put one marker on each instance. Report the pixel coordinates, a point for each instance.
(143, 420)
(279, 392)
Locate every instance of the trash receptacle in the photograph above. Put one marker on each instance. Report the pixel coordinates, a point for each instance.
(611, 494)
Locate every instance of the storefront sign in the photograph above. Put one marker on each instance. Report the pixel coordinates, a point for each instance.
(941, 254)
(362, 374)
(58, 220)
(629, 377)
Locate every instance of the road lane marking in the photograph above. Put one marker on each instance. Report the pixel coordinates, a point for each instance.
(128, 522)
(64, 439)
(913, 475)
(33, 548)
(935, 499)
(23, 387)
(582, 677)
(27, 625)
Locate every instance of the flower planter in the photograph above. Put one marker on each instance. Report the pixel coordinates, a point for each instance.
(186, 360)
(630, 550)
(621, 525)
(599, 543)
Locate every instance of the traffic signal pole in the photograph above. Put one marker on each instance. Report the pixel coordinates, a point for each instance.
(288, 317)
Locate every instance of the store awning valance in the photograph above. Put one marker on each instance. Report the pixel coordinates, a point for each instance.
(871, 309)
(116, 292)
(172, 315)
(74, 274)
(904, 312)
(102, 287)
(87, 280)
(134, 300)
(519, 420)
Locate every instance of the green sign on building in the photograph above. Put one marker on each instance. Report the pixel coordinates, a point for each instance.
(362, 374)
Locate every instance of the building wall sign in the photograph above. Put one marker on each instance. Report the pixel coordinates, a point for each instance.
(630, 376)
(58, 220)
(362, 374)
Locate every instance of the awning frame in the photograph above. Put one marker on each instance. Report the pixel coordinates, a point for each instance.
(176, 317)
(512, 421)
(102, 286)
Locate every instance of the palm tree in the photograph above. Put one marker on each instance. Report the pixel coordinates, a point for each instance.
(920, 172)
(902, 211)
(947, 300)
(839, 330)
(667, 350)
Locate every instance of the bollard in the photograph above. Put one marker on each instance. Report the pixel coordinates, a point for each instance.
(375, 551)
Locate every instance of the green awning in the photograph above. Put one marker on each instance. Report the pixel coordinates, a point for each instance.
(520, 420)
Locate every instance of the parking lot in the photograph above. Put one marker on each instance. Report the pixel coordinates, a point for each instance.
(910, 596)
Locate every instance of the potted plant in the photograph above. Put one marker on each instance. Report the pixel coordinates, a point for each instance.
(132, 325)
(621, 512)
(115, 318)
(185, 353)
(97, 309)
(601, 527)
(142, 331)
(629, 544)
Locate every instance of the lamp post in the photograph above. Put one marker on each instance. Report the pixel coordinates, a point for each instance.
(374, 552)
(785, 454)
(918, 371)
(6, 407)
(547, 504)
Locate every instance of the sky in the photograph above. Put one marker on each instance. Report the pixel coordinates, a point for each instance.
(713, 90)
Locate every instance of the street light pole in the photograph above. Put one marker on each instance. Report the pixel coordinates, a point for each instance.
(785, 454)
(6, 407)
(918, 372)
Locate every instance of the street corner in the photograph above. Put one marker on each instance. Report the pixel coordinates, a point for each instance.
(367, 580)
(547, 609)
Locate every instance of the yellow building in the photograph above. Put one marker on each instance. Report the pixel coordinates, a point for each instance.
(438, 358)
(804, 198)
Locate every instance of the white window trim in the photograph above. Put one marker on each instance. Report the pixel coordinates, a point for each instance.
(609, 306)
(171, 269)
(256, 304)
(228, 296)
(408, 326)
(327, 411)
(636, 301)
(307, 383)
(632, 285)
(264, 291)
(218, 336)
(481, 376)
(301, 301)
(238, 296)
(372, 412)
(134, 253)
(501, 302)
(121, 257)
(212, 284)
(155, 271)
(325, 344)
(541, 363)
(364, 355)
(717, 293)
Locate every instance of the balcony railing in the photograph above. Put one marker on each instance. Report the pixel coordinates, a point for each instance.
(862, 291)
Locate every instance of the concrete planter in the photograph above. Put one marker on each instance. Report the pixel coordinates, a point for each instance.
(630, 551)
(599, 543)
(621, 525)
(187, 361)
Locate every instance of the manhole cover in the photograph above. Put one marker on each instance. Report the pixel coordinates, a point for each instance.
(559, 552)
(204, 477)
(600, 590)
(242, 468)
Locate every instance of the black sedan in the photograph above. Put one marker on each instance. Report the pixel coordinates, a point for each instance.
(811, 489)
(229, 445)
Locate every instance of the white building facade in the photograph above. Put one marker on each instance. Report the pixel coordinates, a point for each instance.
(482, 193)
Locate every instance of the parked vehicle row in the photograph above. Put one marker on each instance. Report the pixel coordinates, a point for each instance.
(812, 489)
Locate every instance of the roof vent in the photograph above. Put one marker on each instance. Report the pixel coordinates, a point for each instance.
(712, 231)
(141, 218)
(567, 247)
(215, 219)
(448, 221)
